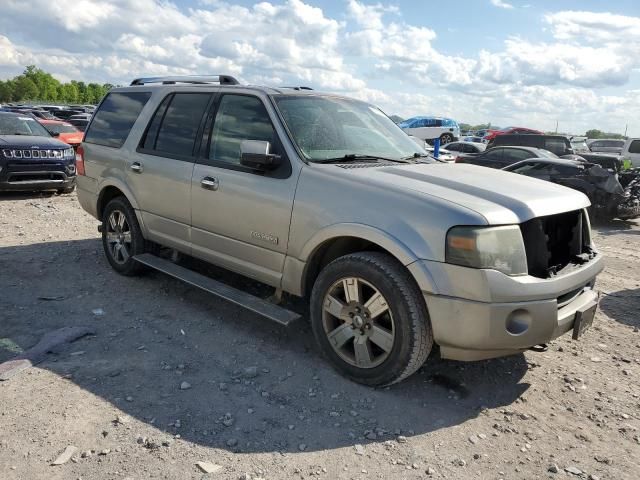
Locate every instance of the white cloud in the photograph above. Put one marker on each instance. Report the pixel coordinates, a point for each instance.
(501, 4)
(292, 42)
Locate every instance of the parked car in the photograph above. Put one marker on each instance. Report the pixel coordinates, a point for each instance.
(466, 147)
(324, 195)
(30, 159)
(579, 145)
(65, 114)
(558, 144)
(430, 128)
(491, 134)
(64, 131)
(473, 139)
(500, 157)
(608, 197)
(79, 123)
(606, 145)
(631, 152)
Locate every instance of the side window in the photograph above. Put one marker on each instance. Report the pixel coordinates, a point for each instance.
(634, 147)
(239, 117)
(113, 121)
(174, 127)
(494, 154)
(516, 155)
(555, 145)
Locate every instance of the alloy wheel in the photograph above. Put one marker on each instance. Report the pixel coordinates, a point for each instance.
(118, 236)
(358, 322)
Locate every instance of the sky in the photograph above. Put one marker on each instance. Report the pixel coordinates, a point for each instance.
(522, 62)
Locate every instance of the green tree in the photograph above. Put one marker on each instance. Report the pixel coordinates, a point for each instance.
(7, 91)
(47, 85)
(68, 93)
(25, 89)
(593, 133)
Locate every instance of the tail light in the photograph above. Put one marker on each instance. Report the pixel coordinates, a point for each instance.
(80, 160)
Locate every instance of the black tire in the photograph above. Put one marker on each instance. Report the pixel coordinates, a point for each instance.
(66, 191)
(412, 333)
(446, 138)
(124, 266)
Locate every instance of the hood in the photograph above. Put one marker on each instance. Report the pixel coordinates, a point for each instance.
(30, 141)
(72, 138)
(500, 197)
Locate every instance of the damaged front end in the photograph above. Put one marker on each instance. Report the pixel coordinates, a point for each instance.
(609, 197)
(557, 244)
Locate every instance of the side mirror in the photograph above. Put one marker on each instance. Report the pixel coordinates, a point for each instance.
(55, 134)
(255, 154)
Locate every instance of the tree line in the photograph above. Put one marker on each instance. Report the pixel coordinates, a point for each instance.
(36, 85)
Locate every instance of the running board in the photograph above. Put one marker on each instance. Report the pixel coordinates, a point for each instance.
(233, 295)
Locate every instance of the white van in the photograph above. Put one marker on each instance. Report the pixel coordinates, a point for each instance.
(631, 151)
(430, 128)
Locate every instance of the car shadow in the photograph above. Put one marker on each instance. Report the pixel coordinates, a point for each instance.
(615, 226)
(183, 361)
(622, 306)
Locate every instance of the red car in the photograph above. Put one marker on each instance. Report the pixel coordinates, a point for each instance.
(64, 131)
(491, 134)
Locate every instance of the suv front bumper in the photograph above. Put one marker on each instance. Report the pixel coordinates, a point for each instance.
(58, 175)
(479, 314)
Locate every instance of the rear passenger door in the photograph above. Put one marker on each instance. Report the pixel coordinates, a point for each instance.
(492, 158)
(161, 168)
(240, 216)
(513, 155)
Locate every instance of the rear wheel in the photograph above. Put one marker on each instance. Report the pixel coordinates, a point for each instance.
(121, 237)
(446, 138)
(369, 318)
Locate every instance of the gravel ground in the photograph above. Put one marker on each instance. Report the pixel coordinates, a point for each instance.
(174, 376)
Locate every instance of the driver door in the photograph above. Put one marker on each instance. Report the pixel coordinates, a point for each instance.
(241, 217)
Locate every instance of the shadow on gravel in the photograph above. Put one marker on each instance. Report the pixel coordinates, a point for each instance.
(25, 195)
(622, 306)
(615, 227)
(153, 334)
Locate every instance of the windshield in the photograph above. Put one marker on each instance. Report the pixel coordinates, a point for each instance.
(328, 127)
(61, 128)
(12, 124)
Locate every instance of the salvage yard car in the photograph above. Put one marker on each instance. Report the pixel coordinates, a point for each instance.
(324, 196)
(30, 159)
(609, 199)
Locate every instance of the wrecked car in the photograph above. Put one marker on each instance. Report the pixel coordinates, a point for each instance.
(324, 197)
(609, 197)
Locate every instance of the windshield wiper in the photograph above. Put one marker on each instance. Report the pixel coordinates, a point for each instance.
(417, 155)
(352, 157)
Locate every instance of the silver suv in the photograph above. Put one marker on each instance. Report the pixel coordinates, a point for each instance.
(324, 196)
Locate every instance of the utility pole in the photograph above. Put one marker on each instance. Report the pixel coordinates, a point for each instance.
(625, 129)
(556, 126)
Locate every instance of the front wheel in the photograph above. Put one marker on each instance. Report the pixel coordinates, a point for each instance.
(369, 319)
(121, 237)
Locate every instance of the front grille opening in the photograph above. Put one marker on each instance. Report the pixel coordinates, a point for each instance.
(556, 244)
(36, 177)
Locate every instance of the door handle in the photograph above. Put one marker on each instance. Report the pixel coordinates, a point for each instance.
(136, 167)
(210, 183)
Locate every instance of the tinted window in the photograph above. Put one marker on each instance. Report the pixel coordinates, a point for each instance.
(515, 155)
(239, 118)
(556, 145)
(456, 147)
(634, 147)
(179, 127)
(494, 154)
(149, 140)
(115, 117)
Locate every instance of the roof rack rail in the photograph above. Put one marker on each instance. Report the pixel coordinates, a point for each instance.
(299, 88)
(193, 79)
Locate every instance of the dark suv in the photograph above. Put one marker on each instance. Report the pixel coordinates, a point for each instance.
(30, 159)
(558, 144)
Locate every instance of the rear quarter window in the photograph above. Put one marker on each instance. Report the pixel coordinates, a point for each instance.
(114, 118)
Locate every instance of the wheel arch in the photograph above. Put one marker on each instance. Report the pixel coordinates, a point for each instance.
(338, 240)
(110, 190)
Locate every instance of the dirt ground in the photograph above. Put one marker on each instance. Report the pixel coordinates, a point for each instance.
(174, 376)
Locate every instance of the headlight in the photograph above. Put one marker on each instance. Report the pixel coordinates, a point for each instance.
(498, 248)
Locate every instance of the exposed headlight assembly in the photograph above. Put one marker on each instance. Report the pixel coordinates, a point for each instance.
(497, 248)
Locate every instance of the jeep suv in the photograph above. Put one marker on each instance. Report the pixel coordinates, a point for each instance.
(30, 159)
(324, 196)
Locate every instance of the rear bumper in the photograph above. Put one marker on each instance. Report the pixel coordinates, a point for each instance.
(479, 314)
